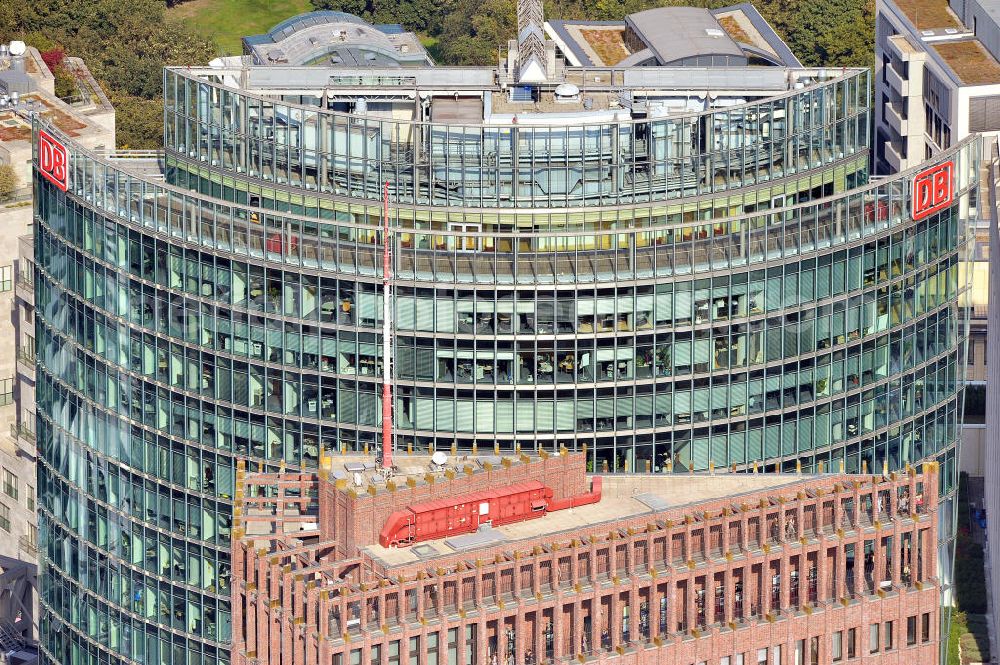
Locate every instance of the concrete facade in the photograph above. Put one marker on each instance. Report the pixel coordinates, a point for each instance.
(729, 568)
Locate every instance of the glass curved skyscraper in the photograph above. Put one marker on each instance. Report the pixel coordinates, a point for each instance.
(609, 257)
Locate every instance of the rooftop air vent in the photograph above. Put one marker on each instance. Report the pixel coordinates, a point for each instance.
(566, 92)
(927, 33)
(713, 32)
(951, 31)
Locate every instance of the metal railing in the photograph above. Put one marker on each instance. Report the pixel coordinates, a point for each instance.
(22, 431)
(28, 544)
(26, 354)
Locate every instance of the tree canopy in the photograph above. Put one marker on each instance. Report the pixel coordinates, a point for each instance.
(125, 43)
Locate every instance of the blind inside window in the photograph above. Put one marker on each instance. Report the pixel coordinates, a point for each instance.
(367, 408)
(605, 407)
(445, 315)
(682, 353)
(445, 414)
(644, 405)
(682, 305)
(525, 416)
(565, 420)
(624, 407)
(772, 441)
(505, 416)
(485, 416)
(423, 413)
(348, 405)
(701, 399)
(465, 419)
(545, 415)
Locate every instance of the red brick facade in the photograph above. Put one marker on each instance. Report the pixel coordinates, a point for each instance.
(825, 569)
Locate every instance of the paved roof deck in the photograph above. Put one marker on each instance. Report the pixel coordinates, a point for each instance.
(622, 497)
(548, 103)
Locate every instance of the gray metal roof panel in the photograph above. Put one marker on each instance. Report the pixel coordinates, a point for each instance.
(674, 33)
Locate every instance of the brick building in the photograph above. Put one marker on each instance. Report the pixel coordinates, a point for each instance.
(723, 569)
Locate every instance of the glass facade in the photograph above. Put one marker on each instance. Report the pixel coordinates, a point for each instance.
(778, 308)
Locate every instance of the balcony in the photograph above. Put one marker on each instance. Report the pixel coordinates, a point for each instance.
(26, 361)
(24, 289)
(24, 431)
(897, 82)
(895, 119)
(893, 157)
(28, 544)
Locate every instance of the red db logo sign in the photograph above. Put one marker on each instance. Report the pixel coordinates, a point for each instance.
(52, 160)
(933, 190)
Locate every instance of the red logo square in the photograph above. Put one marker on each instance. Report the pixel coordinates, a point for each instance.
(53, 161)
(933, 189)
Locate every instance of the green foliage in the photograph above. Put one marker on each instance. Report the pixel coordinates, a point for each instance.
(955, 632)
(828, 33)
(125, 43)
(418, 15)
(8, 181)
(65, 83)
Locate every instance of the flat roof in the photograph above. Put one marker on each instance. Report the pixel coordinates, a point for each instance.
(928, 14)
(622, 497)
(970, 61)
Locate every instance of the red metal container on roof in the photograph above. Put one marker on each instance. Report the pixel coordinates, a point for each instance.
(462, 514)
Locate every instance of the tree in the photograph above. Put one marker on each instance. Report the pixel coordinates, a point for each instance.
(475, 29)
(8, 181)
(356, 7)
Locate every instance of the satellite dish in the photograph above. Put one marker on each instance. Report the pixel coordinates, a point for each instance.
(439, 458)
(17, 48)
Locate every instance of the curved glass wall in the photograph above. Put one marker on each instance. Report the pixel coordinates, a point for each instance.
(506, 162)
(179, 330)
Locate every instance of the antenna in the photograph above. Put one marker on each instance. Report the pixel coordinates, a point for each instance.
(386, 335)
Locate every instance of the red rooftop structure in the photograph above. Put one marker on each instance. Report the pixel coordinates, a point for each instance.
(722, 569)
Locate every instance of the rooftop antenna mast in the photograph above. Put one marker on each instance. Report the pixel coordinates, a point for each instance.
(386, 335)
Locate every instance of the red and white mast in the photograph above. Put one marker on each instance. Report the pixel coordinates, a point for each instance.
(386, 335)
